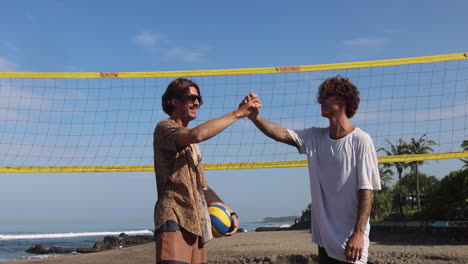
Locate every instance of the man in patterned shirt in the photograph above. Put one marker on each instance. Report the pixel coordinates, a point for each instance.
(182, 222)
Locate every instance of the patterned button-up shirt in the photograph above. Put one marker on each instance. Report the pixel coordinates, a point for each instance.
(179, 179)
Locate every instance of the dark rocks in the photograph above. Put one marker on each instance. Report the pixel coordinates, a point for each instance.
(88, 250)
(271, 228)
(60, 250)
(109, 242)
(40, 249)
(37, 249)
(137, 240)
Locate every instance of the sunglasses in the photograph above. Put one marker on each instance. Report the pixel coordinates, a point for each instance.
(325, 95)
(194, 97)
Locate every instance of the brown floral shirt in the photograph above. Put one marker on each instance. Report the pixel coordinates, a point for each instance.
(179, 180)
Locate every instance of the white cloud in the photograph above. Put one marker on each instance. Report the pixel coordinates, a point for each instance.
(7, 66)
(187, 55)
(365, 42)
(161, 46)
(149, 40)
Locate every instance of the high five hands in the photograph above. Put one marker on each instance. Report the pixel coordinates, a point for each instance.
(252, 103)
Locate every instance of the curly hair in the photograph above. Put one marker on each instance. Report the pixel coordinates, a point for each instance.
(178, 88)
(341, 86)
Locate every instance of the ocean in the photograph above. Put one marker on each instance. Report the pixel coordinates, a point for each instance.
(16, 238)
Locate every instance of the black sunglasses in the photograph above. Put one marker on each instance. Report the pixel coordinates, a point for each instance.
(194, 97)
(324, 95)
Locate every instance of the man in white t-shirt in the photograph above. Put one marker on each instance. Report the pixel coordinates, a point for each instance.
(343, 172)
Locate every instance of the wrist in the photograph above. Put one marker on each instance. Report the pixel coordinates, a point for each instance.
(238, 114)
(253, 117)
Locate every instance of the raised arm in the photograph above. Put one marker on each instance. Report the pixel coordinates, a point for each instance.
(355, 243)
(273, 130)
(268, 128)
(213, 127)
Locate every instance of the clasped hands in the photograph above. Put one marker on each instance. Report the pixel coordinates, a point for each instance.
(250, 105)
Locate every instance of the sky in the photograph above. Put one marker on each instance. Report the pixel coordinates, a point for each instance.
(135, 36)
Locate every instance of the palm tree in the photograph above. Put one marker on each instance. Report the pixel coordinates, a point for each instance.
(420, 146)
(401, 148)
(464, 146)
(386, 174)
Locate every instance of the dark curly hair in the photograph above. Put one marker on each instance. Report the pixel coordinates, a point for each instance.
(178, 88)
(341, 86)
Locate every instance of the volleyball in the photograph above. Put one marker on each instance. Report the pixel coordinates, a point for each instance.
(220, 220)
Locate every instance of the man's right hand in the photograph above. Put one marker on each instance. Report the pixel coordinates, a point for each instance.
(250, 106)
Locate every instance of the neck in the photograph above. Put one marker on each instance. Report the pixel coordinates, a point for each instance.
(179, 121)
(340, 127)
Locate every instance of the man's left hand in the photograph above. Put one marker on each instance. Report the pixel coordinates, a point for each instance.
(234, 226)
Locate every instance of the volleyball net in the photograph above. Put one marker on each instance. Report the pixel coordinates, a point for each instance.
(98, 122)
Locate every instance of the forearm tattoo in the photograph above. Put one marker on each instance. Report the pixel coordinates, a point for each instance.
(365, 198)
(275, 131)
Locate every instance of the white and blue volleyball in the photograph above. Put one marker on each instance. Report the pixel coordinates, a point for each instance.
(220, 220)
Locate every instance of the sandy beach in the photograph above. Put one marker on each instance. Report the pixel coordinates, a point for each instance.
(273, 247)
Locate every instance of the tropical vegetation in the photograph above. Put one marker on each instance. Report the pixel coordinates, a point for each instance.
(416, 196)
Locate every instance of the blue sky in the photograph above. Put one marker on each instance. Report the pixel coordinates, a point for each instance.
(133, 36)
(165, 35)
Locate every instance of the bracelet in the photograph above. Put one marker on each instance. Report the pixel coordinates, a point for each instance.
(234, 213)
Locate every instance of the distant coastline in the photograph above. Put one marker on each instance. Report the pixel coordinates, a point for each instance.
(280, 219)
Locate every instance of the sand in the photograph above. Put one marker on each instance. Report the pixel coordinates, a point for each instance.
(273, 247)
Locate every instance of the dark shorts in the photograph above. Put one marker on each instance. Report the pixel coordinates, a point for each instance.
(325, 259)
(174, 245)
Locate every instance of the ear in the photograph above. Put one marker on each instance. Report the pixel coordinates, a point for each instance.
(340, 101)
(174, 102)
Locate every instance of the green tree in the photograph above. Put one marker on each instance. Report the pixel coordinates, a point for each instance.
(401, 148)
(386, 174)
(420, 146)
(399, 194)
(449, 200)
(426, 185)
(382, 204)
(464, 146)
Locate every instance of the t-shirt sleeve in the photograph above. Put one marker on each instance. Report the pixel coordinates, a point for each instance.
(298, 136)
(165, 136)
(367, 167)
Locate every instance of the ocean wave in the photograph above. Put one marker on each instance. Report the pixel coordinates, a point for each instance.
(82, 234)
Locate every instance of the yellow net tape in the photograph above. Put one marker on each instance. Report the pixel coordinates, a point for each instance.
(240, 71)
(222, 166)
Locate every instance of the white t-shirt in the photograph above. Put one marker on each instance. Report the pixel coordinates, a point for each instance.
(337, 170)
